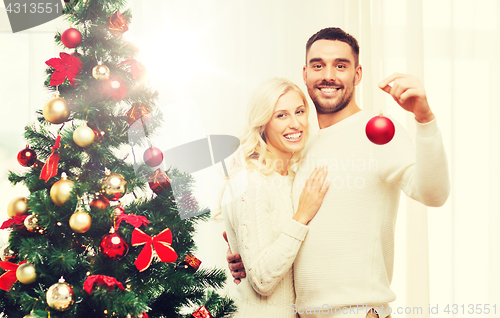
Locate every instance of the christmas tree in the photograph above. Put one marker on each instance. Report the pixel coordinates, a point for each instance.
(75, 248)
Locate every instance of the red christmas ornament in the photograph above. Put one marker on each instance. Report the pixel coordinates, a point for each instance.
(100, 203)
(132, 219)
(201, 312)
(117, 24)
(26, 157)
(380, 130)
(153, 156)
(101, 280)
(114, 88)
(159, 181)
(66, 66)
(113, 246)
(161, 244)
(138, 111)
(98, 134)
(71, 38)
(190, 263)
(50, 167)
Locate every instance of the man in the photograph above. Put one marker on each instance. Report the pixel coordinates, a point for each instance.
(344, 267)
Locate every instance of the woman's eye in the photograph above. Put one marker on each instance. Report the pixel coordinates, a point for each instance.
(281, 115)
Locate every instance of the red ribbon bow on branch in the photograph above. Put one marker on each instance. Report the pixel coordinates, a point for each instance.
(101, 279)
(18, 220)
(8, 278)
(50, 167)
(161, 243)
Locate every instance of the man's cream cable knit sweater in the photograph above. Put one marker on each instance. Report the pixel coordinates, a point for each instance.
(348, 255)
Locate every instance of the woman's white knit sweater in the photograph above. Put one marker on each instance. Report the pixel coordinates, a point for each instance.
(258, 212)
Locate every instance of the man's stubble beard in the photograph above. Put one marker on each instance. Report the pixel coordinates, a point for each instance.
(320, 109)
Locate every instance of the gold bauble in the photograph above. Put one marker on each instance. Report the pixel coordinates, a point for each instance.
(56, 110)
(114, 186)
(83, 136)
(80, 221)
(60, 295)
(17, 207)
(101, 72)
(60, 192)
(31, 223)
(26, 273)
(29, 316)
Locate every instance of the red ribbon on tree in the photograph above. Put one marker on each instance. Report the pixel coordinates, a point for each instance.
(102, 280)
(50, 167)
(8, 278)
(18, 220)
(132, 219)
(161, 243)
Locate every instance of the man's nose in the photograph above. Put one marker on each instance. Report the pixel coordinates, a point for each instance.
(330, 73)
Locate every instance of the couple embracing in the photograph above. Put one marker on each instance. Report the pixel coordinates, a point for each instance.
(310, 238)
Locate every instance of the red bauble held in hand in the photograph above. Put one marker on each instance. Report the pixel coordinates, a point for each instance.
(71, 38)
(380, 130)
(153, 156)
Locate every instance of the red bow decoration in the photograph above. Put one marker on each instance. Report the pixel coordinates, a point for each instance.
(18, 220)
(67, 66)
(161, 243)
(136, 68)
(102, 280)
(8, 278)
(50, 167)
(132, 219)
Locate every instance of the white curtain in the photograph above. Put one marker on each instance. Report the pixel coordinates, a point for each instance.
(212, 54)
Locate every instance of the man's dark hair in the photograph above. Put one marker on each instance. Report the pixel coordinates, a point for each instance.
(335, 34)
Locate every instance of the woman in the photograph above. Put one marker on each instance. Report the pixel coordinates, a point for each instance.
(257, 207)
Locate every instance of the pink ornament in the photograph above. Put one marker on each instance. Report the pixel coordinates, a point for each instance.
(71, 38)
(153, 156)
(380, 130)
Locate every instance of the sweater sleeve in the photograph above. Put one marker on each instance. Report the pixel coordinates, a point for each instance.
(425, 176)
(266, 259)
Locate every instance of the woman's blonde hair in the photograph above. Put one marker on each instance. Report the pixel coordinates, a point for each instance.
(253, 151)
(259, 112)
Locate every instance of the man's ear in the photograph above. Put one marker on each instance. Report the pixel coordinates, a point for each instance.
(358, 75)
(304, 74)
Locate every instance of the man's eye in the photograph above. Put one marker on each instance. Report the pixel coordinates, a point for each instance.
(340, 66)
(317, 66)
